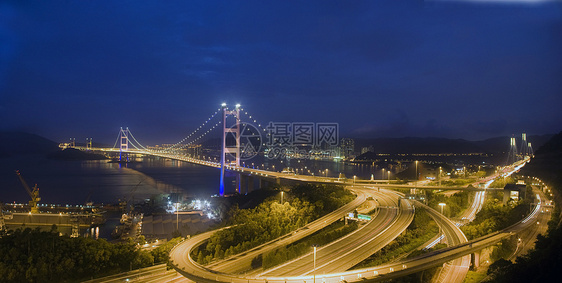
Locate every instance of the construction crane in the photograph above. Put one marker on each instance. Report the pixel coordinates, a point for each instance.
(34, 194)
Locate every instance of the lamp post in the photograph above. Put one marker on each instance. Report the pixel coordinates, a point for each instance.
(282, 197)
(354, 177)
(382, 174)
(326, 173)
(440, 176)
(388, 173)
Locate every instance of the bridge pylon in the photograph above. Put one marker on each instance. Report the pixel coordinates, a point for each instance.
(512, 155)
(123, 141)
(233, 150)
(88, 143)
(523, 150)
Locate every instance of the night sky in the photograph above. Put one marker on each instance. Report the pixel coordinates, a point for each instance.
(455, 69)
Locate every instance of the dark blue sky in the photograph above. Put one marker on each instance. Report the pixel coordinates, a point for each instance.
(379, 68)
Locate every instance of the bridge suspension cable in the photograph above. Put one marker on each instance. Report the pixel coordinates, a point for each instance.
(194, 132)
(256, 123)
(130, 133)
(200, 137)
(117, 139)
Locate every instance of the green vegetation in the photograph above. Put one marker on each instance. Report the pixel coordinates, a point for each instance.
(495, 216)
(325, 198)
(501, 182)
(35, 256)
(474, 277)
(422, 276)
(303, 246)
(424, 251)
(270, 220)
(253, 227)
(40, 256)
(504, 249)
(481, 174)
(455, 204)
(456, 182)
(160, 254)
(421, 230)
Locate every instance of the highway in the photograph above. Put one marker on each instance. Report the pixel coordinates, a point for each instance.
(187, 267)
(456, 270)
(139, 274)
(527, 237)
(242, 262)
(350, 250)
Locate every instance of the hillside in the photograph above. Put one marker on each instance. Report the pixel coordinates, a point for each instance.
(17, 143)
(443, 145)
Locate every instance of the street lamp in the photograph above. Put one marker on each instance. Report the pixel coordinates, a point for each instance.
(354, 179)
(440, 176)
(282, 197)
(326, 173)
(388, 173)
(382, 174)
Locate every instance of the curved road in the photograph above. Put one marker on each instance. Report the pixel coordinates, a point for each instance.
(183, 263)
(350, 250)
(242, 262)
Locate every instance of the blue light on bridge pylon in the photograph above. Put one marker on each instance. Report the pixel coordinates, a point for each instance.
(236, 131)
(124, 143)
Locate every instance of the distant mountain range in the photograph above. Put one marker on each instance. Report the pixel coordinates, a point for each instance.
(443, 145)
(17, 143)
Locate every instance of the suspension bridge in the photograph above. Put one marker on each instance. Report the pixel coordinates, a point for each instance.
(243, 138)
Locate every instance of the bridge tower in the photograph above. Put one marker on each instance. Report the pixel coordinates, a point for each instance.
(124, 141)
(524, 150)
(512, 155)
(88, 143)
(529, 149)
(235, 130)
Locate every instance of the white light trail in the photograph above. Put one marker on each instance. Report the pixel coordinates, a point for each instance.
(535, 211)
